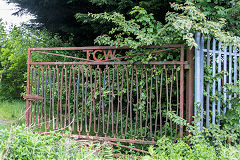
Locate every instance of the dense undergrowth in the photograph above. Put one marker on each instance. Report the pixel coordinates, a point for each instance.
(19, 143)
(22, 143)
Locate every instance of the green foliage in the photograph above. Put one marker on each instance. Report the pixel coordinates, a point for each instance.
(144, 29)
(229, 10)
(14, 46)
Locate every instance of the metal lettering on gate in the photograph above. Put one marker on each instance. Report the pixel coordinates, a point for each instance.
(104, 97)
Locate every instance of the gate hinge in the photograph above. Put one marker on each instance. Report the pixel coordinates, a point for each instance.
(186, 65)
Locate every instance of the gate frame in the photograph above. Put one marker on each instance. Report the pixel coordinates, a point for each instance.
(189, 65)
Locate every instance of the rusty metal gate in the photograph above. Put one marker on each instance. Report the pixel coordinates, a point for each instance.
(105, 96)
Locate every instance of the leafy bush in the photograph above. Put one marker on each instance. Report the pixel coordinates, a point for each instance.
(181, 25)
(14, 46)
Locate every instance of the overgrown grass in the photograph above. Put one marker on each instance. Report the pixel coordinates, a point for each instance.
(10, 111)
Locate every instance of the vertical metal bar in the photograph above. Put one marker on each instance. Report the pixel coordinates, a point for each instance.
(230, 73)
(100, 99)
(157, 101)
(77, 95)
(109, 99)
(166, 81)
(28, 87)
(137, 105)
(239, 88)
(38, 92)
(146, 121)
(198, 91)
(103, 105)
(235, 75)
(61, 92)
(91, 100)
(69, 95)
(121, 106)
(160, 101)
(130, 102)
(58, 96)
(224, 80)
(126, 122)
(45, 98)
(235, 67)
(140, 101)
(66, 100)
(53, 95)
(50, 97)
(74, 100)
(189, 90)
(208, 86)
(189, 87)
(170, 99)
(43, 101)
(150, 103)
(214, 81)
(85, 103)
(31, 86)
(82, 118)
(181, 88)
(118, 101)
(112, 103)
(202, 79)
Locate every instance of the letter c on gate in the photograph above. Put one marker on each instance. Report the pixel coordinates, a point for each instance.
(94, 55)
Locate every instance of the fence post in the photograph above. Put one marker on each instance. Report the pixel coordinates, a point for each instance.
(190, 87)
(28, 87)
(199, 57)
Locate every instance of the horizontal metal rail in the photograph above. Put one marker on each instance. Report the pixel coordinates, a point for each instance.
(110, 63)
(102, 47)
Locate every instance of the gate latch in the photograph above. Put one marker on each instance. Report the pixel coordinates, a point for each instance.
(32, 97)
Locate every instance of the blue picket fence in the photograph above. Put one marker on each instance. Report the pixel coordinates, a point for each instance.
(216, 65)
